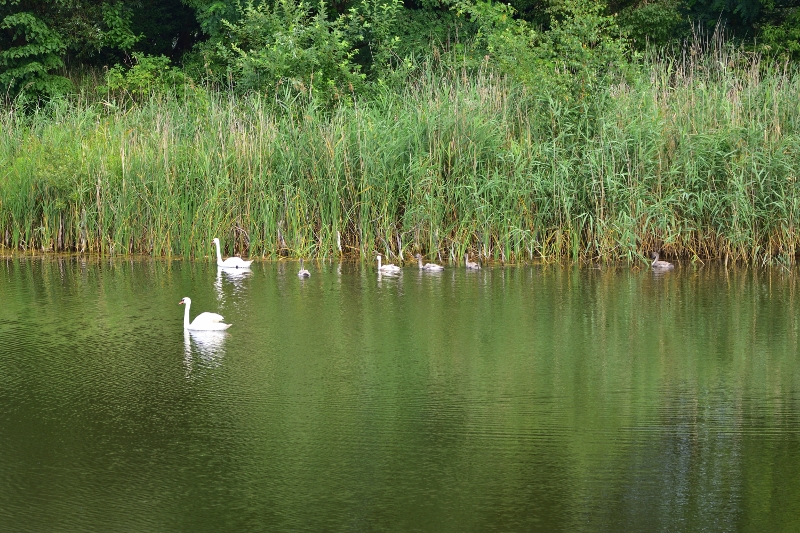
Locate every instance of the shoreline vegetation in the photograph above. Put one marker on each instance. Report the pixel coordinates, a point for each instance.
(696, 156)
(408, 264)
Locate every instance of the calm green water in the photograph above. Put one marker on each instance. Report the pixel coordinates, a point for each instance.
(511, 399)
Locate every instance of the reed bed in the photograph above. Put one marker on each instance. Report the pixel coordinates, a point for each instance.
(696, 156)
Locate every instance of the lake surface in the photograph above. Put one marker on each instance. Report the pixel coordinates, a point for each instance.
(522, 398)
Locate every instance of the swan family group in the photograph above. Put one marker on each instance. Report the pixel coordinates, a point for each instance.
(213, 321)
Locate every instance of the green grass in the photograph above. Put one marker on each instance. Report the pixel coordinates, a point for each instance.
(697, 156)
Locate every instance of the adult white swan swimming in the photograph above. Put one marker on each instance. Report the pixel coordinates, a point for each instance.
(203, 321)
(387, 269)
(231, 262)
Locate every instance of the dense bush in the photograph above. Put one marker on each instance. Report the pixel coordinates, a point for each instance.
(149, 75)
(578, 57)
(290, 42)
(29, 68)
(38, 36)
(654, 24)
(783, 38)
(336, 48)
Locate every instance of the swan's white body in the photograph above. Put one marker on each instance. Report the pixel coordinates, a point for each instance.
(428, 267)
(469, 264)
(203, 321)
(660, 265)
(303, 273)
(387, 269)
(231, 262)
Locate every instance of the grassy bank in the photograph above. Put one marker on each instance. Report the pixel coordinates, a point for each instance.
(698, 157)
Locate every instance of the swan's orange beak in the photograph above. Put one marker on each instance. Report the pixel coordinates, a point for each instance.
(180, 303)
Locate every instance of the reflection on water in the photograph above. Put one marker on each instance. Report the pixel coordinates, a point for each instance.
(233, 274)
(205, 347)
(505, 399)
(232, 277)
(392, 278)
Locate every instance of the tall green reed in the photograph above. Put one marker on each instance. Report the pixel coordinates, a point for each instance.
(697, 155)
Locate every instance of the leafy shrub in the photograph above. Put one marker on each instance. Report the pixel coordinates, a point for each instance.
(419, 28)
(117, 20)
(373, 24)
(149, 74)
(36, 36)
(783, 38)
(653, 23)
(211, 14)
(28, 61)
(296, 47)
(290, 43)
(572, 59)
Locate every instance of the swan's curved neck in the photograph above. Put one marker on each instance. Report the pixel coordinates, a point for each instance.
(419, 260)
(379, 262)
(655, 259)
(219, 255)
(186, 315)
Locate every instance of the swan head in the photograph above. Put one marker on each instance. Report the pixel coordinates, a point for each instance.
(215, 240)
(186, 301)
(418, 256)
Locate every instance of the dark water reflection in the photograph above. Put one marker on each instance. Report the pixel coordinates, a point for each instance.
(510, 399)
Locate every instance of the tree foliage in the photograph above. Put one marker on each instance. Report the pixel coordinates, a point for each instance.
(571, 59)
(653, 23)
(290, 42)
(148, 75)
(30, 54)
(337, 46)
(37, 38)
(780, 33)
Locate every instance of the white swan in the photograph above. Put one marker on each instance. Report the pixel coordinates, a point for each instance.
(231, 262)
(428, 267)
(203, 321)
(469, 264)
(387, 269)
(303, 273)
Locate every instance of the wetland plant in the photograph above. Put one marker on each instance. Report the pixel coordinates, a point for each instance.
(694, 155)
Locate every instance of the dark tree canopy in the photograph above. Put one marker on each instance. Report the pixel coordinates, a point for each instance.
(41, 40)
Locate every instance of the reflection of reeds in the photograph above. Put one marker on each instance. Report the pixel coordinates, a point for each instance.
(697, 155)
